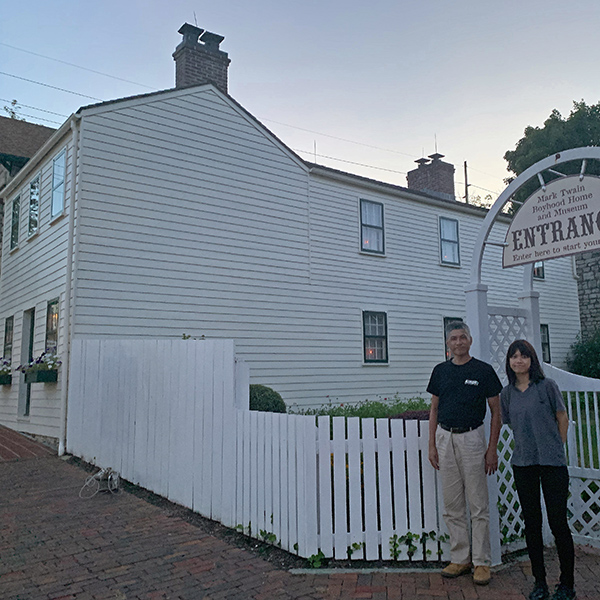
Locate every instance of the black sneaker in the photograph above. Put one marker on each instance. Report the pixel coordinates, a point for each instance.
(562, 592)
(539, 592)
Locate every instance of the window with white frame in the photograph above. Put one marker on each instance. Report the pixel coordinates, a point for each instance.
(14, 223)
(371, 227)
(34, 205)
(545, 335)
(538, 270)
(58, 184)
(8, 338)
(449, 243)
(52, 327)
(375, 337)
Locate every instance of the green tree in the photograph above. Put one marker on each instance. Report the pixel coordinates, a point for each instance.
(580, 128)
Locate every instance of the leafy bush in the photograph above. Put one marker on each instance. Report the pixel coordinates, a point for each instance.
(584, 356)
(266, 399)
(378, 409)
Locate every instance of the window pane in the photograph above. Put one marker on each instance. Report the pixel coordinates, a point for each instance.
(8, 338)
(14, 231)
(372, 213)
(52, 327)
(34, 205)
(450, 252)
(58, 184)
(545, 335)
(449, 229)
(372, 239)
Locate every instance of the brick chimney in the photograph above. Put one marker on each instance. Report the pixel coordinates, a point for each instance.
(198, 62)
(435, 177)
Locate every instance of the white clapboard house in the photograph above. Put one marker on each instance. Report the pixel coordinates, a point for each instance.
(179, 212)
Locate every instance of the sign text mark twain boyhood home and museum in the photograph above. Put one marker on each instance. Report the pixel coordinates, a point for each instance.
(564, 219)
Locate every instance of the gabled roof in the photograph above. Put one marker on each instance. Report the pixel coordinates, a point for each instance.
(22, 139)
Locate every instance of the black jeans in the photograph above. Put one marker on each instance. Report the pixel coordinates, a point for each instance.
(555, 485)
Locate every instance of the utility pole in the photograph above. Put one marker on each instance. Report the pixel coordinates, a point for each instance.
(466, 185)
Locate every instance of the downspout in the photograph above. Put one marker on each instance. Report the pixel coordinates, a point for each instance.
(64, 390)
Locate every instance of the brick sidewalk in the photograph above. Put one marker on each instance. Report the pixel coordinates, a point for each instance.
(54, 545)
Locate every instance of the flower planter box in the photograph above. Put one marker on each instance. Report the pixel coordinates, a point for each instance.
(5, 379)
(41, 377)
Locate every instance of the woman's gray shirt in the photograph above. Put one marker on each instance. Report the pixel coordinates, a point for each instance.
(532, 417)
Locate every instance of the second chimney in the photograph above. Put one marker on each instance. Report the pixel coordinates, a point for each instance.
(198, 62)
(435, 177)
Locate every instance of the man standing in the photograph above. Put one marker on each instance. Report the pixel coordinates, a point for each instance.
(459, 389)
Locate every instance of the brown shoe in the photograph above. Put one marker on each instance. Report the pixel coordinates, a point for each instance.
(455, 570)
(481, 575)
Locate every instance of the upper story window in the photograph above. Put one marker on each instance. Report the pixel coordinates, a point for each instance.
(8, 337)
(34, 205)
(449, 244)
(58, 184)
(371, 227)
(52, 327)
(14, 227)
(375, 337)
(538, 271)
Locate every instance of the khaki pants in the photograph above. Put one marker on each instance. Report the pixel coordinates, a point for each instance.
(462, 470)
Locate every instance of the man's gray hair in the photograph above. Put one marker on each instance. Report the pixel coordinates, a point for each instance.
(457, 325)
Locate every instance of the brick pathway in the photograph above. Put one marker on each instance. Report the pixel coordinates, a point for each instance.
(56, 546)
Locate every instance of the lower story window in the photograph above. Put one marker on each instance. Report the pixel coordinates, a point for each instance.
(8, 338)
(52, 327)
(545, 335)
(375, 337)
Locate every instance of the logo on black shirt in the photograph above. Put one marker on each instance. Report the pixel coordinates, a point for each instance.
(471, 382)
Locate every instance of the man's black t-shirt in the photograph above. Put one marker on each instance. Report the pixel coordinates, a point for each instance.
(463, 391)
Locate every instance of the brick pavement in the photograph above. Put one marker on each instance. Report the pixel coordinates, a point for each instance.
(56, 546)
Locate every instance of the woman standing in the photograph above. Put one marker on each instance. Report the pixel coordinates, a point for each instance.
(533, 406)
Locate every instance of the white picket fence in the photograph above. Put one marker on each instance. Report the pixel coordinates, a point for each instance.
(172, 416)
(164, 414)
(349, 488)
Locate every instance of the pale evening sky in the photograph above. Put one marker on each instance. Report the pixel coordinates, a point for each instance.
(391, 76)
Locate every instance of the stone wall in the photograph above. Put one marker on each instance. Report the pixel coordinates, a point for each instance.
(588, 271)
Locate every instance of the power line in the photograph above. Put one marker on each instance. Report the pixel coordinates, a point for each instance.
(35, 108)
(339, 138)
(41, 119)
(64, 62)
(50, 86)
(350, 162)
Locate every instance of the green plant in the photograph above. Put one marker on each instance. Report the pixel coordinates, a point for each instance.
(378, 409)
(266, 399)
(44, 362)
(355, 547)
(584, 356)
(315, 561)
(267, 536)
(5, 368)
(408, 539)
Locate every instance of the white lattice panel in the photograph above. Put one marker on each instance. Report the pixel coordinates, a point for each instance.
(504, 329)
(511, 522)
(584, 504)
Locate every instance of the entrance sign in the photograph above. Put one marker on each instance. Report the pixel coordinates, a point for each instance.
(561, 220)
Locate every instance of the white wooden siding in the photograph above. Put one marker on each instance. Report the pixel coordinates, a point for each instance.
(30, 277)
(194, 221)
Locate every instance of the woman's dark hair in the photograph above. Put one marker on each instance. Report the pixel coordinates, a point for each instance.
(536, 373)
